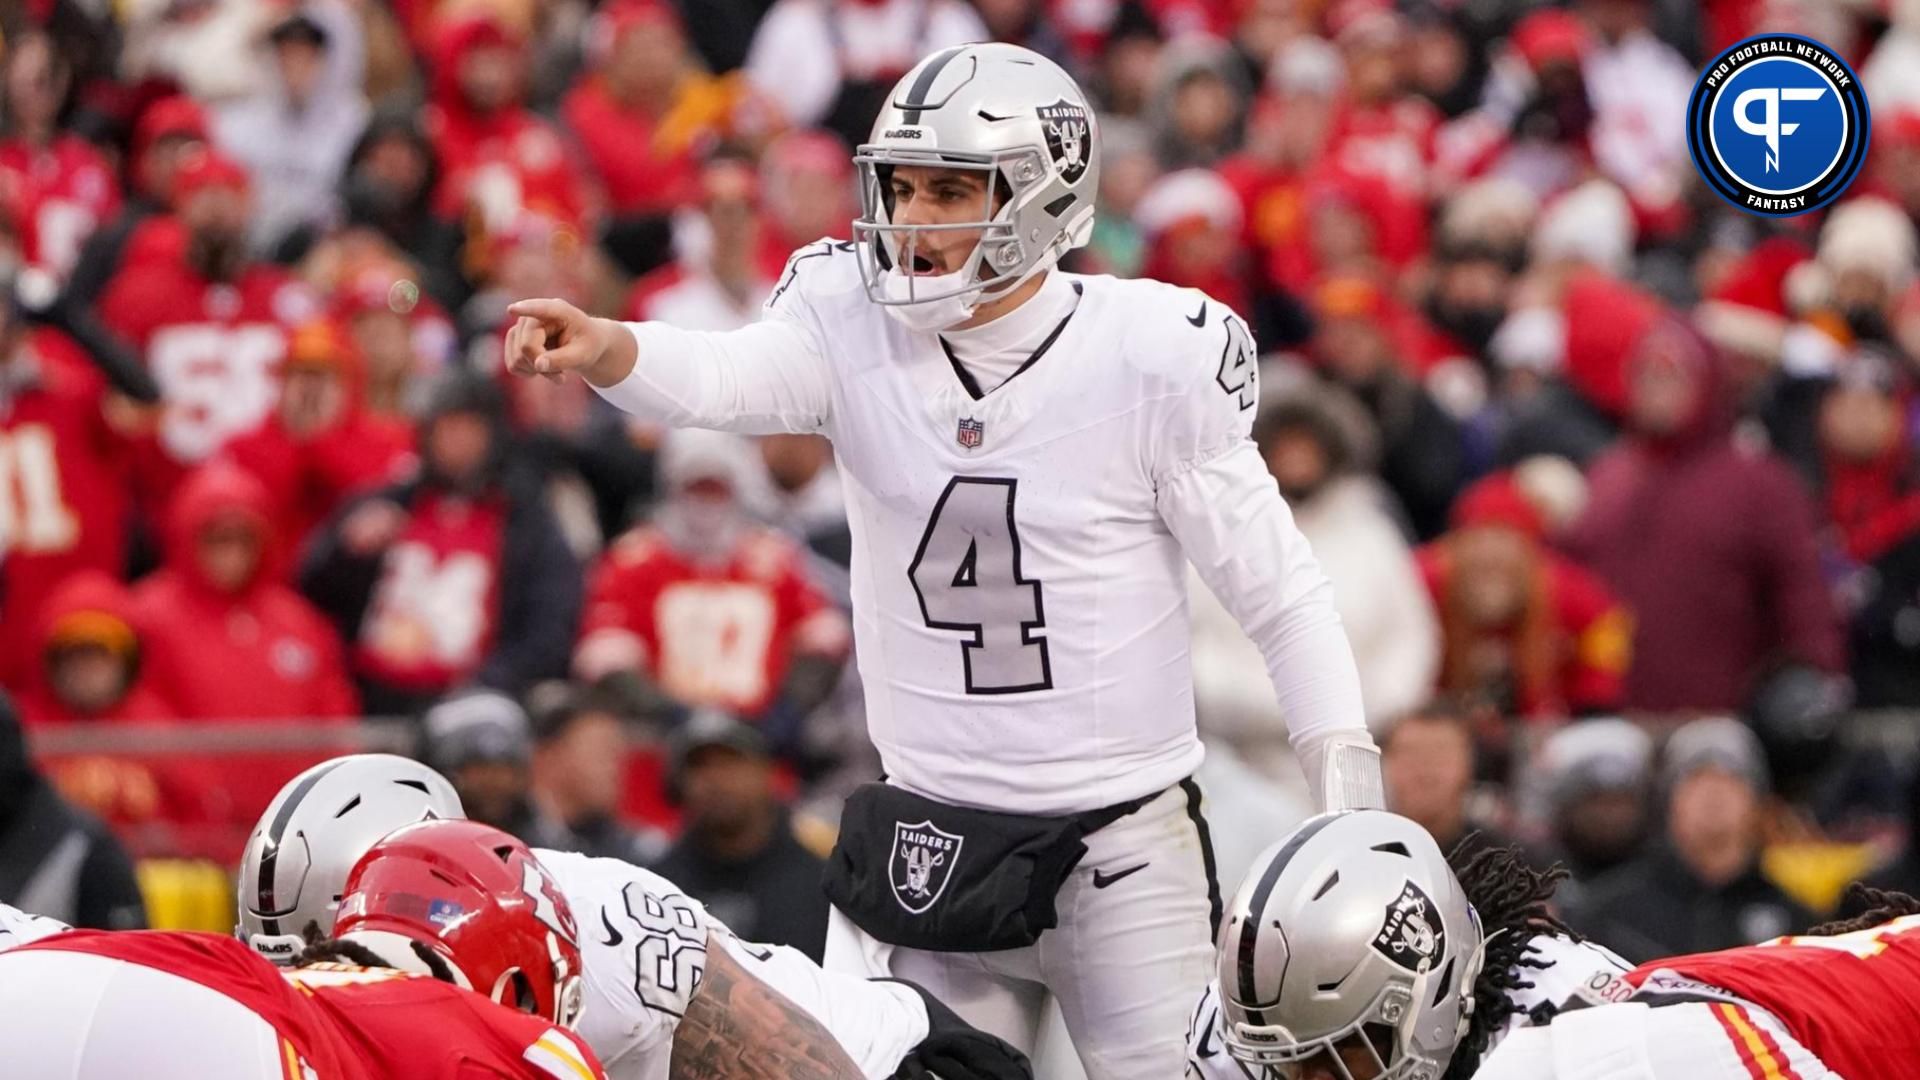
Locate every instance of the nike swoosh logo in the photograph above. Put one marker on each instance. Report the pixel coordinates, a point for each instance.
(1199, 318)
(1203, 1051)
(992, 119)
(1102, 880)
(613, 936)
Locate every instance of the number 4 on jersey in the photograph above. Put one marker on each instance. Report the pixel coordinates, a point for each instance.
(967, 576)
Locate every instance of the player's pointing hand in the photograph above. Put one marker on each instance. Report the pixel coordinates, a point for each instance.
(552, 337)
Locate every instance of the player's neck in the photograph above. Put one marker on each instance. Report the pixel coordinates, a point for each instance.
(990, 310)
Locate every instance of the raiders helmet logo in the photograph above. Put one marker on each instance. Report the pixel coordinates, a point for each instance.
(1412, 935)
(1069, 138)
(922, 864)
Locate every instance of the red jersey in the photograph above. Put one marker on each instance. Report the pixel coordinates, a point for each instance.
(65, 500)
(718, 633)
(59, 193)
(1848, 999)
(434, 610)
(349, 1023)
(214, 348)
(641, 170)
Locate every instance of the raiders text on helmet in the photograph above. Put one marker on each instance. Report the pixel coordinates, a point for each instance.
(1002, 110)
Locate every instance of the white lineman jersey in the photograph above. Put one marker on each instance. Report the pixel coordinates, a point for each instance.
(1018, 573)
(1554, 973)
(19, 928)
(644, 945)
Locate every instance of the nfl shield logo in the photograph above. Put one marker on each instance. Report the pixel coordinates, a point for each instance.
(971, 434)
(922, 863)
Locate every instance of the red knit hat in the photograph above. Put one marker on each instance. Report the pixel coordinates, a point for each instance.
(1497, 500)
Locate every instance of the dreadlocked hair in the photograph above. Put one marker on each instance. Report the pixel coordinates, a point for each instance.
(335, 950)
(1876, 906)
(1511, 898)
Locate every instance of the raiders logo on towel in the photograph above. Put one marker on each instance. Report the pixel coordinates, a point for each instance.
(1069, 137)
(1412, 935)
(922, 864)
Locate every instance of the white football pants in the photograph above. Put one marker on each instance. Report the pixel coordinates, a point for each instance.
(76, 1016)
(1687, 1041)
(1131, 954)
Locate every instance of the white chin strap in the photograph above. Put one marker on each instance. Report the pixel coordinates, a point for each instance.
(926, 316)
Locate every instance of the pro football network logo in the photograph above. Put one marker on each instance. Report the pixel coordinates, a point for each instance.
(922, 863)
(1778, 125)
(1411, 934)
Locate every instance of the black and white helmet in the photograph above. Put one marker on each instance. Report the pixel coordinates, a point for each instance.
(1349, 938)
(1008, 112)
(298, 857)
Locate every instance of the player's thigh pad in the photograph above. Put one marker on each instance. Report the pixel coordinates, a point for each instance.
(1134, 948)
(77, 1016)
(1690, 1041)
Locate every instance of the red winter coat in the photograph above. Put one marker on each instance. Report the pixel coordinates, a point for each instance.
(63, 472)
(620, 143)
(262, 652)
(1712, 547)
(122, 790)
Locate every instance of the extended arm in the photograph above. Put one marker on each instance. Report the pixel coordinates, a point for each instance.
(737, 1027)
(767, 377)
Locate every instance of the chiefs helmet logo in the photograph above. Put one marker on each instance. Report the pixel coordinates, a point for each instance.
(548, 905)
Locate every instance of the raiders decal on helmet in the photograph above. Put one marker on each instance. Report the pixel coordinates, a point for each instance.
(1069, 137)
(1412, 935)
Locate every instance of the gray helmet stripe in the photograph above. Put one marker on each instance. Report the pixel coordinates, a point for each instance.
(265, 900)
(917, 94)
(1249, 992)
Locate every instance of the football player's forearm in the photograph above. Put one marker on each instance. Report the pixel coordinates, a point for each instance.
(738, 1028)
(756, 380)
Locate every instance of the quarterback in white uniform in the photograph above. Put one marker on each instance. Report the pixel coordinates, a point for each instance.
(1030, 458)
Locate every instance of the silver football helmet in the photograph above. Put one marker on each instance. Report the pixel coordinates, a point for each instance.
(1350, 949)
(298, 857)
(1005, 111)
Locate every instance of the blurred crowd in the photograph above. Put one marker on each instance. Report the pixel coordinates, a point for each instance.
(1617, 485)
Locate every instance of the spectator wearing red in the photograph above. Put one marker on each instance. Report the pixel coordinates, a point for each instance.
(400, 334)
(90, 654)
(1523, 628)
(1288, 131)
(321, 445)
(498, 160)
(707, 609)
(719, 281)
(65, 498)
(458, 575)
(58, 186)
(1191, 222)
(625, 112)
(227, 639)
(169, 133)
(212, 323)
(807, 187)
(1385, 132)
(1709, 543)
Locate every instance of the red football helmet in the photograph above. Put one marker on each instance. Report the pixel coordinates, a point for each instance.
(479, 900)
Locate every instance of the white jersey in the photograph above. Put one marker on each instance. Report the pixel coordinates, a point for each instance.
(19, 928)
(1553, 973)
(1018, 576)
(644, 946)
